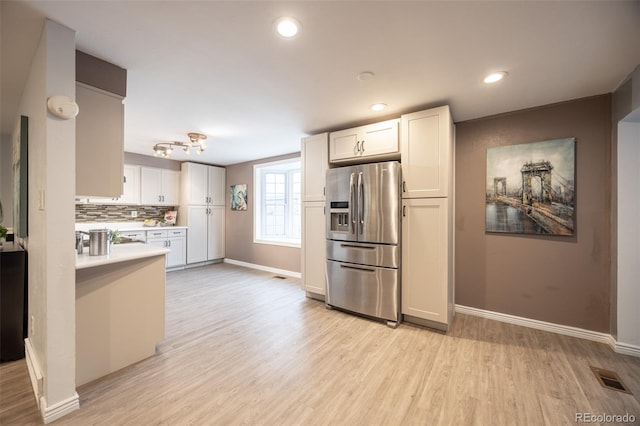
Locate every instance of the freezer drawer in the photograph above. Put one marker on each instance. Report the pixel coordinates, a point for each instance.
(387, 256)
(367, 290)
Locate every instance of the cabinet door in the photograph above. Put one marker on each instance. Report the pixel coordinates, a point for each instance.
(315, 162)
(313, 247)
(379, 139)
(344, 144)
(170, 186)
(177, 255)
(217, 186)
(425, 259)
(194, 183)
(215, 248)
(427, 153)
(131, 185)
(99, 143)
(162, 243)
(197, 219)
(151, 186)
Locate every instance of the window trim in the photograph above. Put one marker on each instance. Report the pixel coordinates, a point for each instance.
(257, 203)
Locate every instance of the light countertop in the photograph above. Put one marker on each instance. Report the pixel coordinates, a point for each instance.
(122, 226)
(119, 253)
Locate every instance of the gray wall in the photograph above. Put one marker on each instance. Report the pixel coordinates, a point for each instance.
(562, 280)
(239, 225)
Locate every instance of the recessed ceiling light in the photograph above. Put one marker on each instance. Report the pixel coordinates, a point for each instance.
(287, 27)
(366, 76)
(378, 107)
(494, 77)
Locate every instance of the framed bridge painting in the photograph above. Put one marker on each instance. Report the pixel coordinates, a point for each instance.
(530, 188)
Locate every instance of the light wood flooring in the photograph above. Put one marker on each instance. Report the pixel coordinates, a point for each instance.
(243, 347)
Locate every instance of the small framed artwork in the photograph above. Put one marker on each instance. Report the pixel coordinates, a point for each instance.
(530, 188)
(239, 197)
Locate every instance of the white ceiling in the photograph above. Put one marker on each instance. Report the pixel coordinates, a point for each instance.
(217, 67)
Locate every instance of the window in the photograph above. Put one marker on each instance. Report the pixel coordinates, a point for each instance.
(277, 200)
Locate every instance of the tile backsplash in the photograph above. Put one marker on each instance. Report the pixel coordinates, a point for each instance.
(118, 212)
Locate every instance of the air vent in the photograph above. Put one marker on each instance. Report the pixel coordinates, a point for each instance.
(610, 380)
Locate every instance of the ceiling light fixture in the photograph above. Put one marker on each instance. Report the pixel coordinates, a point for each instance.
(196, 140)
(365, 76)
(378, 107)
(495, 77)
(287, 27)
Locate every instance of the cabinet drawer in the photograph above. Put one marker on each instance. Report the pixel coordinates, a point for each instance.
(156, 234)
(135, 236)
(177, 233)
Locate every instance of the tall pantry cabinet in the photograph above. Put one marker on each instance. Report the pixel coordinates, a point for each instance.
(315, 162)
(427, 155)
(202, 208)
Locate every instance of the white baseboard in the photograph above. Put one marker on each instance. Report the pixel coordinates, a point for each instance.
(626, 349)
(35, 373)
(62, 408)
(263, 268)
(542, 325)
(48, 413)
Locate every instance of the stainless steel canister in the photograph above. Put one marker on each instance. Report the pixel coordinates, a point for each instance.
(98, 242)
(79, 241)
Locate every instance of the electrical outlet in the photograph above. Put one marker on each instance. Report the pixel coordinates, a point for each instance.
(134, 213)
(33, 326)
(41, 199)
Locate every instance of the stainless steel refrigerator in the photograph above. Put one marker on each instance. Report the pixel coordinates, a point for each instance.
(363, 239)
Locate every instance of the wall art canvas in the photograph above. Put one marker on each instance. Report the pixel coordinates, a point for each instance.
(20, 164)
(530, 188)
(239, 197)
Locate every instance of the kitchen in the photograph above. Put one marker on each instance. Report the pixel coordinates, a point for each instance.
(62, 214)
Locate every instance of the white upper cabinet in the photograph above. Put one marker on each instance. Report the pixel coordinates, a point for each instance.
(203, 184)
(130, 188)
(426, 140)
(216, 185)
(376, 141)
(99, 142)
(159, 187)
(315, 162)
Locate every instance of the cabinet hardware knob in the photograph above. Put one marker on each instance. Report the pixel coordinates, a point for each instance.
(362, 147)
(404, 186)
(404, 211)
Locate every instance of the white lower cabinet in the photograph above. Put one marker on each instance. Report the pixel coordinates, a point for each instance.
(313, 247)
(174, 240)
(206, 233)
(427, 262)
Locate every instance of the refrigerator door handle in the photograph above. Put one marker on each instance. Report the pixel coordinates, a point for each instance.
(360, 202)
(352, 210)
(358, 268)
(357, 247)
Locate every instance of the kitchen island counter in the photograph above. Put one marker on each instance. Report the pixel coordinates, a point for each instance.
(119, 253)
(120, 308)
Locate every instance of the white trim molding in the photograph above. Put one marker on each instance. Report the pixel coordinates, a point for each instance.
(35, 373)
(278, 271)
(62, 408)
(48, 413)
(566, 330)
(626, 349)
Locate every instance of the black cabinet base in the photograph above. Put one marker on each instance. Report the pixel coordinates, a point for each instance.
(13, 302)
